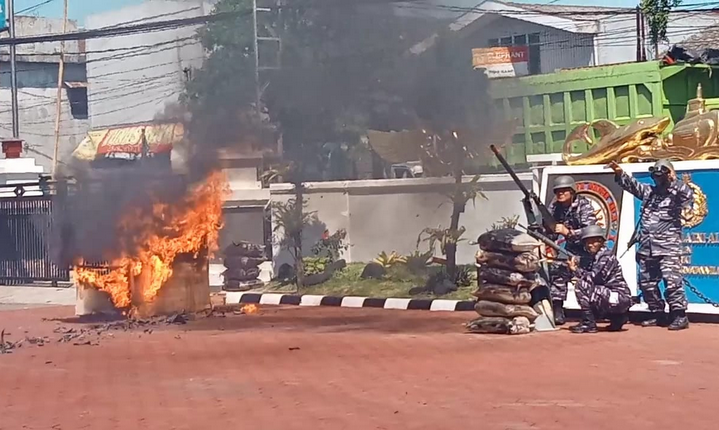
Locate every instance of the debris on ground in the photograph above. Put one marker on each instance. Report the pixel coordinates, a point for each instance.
(97, 326)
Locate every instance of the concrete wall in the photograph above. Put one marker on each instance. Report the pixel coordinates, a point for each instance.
(135, 85)
(46, 52)
(388, 214)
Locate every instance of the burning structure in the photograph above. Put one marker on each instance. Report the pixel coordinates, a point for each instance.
(153, 235)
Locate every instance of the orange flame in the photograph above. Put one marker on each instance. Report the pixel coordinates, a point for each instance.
(187, 227)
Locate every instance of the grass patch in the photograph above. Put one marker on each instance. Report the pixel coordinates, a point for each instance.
(396, 284)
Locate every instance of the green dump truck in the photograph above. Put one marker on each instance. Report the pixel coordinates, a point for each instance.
(549, 106)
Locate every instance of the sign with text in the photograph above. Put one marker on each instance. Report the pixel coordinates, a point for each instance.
(502, 62)
(701, 237)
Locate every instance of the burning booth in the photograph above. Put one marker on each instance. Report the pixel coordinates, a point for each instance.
(139, 236)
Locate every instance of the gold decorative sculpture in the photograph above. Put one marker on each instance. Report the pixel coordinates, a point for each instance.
(696, 137)
(694, 215)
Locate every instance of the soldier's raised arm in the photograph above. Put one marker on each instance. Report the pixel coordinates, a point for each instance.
(630, 184)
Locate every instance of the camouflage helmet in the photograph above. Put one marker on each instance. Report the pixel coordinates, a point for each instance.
(661, 167)
(564, 181)
(593, 231)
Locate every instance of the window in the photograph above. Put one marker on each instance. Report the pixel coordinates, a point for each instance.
(535, 65)
(493, 43)
(506, 41)
(78, 102)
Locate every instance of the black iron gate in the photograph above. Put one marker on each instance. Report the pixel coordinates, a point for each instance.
(26, 232)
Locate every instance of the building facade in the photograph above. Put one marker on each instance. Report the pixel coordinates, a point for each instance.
(134, 78)
(37, 75)
(557, 36)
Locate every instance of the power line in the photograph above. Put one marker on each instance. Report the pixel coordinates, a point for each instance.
(31, 8)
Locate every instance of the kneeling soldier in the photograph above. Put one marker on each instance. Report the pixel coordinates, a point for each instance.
(601, 289)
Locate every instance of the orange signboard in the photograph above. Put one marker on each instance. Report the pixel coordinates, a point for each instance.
(160, 138)
(504, 61)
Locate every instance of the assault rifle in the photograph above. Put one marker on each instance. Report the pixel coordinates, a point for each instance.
(529, 197)
(549, 242)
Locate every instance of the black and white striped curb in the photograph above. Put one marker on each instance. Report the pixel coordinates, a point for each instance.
(348, 302)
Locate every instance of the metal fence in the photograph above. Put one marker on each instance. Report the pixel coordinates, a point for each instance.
(26, 232)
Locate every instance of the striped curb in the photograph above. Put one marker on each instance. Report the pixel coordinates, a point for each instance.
(349, 302)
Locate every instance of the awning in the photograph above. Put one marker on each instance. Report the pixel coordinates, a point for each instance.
(128, 140)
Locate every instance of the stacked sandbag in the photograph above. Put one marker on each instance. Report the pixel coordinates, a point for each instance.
(242, 261)
(508, 267)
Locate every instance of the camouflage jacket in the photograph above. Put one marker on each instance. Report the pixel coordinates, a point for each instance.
(575, 217)
(660, 227)
(602, 268)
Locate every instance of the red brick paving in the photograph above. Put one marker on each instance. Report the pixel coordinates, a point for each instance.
(357, 369)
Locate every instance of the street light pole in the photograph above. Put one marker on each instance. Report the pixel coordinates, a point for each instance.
(13, 71)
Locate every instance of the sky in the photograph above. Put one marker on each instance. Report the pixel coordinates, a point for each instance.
(79, 9)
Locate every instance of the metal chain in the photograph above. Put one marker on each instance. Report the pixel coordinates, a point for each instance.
(704, 298)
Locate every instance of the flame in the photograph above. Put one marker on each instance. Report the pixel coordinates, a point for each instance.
(187, 227)
(249, 309)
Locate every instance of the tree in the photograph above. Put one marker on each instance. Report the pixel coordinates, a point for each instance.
(333, 82)
(657, 13)
(455, 108)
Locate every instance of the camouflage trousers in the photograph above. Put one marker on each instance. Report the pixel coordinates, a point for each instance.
(651, 271)
(600, 299)
(559, 277)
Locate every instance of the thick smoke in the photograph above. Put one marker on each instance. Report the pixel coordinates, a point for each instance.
(93, 199)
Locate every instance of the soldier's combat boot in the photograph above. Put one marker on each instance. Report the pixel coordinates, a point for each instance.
(558, 308)
(616, 322)
(680, 321)
(656, 319)
(588, 324)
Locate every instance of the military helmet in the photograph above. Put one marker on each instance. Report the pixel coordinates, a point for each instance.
(593, 231)
(661, 167)
(564, 182)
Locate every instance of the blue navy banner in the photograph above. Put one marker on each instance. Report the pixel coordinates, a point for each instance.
(701, 233)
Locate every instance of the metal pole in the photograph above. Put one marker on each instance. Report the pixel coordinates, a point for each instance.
(60, 80)
(639, 34)
(257, 57)
(13, 71)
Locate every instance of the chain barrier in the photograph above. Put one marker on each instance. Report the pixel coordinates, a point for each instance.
(698, 293)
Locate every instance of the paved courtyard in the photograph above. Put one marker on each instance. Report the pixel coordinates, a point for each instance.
(333, 368)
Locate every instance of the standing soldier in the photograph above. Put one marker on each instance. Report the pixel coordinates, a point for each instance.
(601, 288)
(659, 235)
(572, 213)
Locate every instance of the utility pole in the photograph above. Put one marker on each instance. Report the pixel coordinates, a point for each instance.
(60, 82)
(13, 70)
(264, 33)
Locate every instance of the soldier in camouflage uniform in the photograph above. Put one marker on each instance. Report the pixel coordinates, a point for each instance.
(572, 213)
(601, 289)
(660, 241)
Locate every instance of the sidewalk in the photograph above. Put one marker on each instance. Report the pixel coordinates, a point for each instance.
(27, 295)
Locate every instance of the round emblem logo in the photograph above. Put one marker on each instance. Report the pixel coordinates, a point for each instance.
(605, 207)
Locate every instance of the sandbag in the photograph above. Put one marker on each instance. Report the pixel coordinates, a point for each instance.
(486, 308)
(236, 262)
(504, 294)
(245, 249)
(520, 325)
(499, 325)
(525, 262)
(507, 240)
(495, 275)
